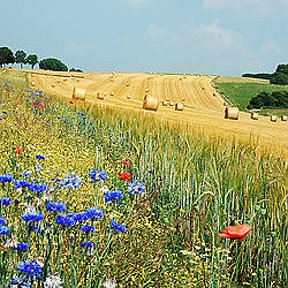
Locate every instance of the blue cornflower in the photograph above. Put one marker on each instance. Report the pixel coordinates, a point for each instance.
(87, 229)
(113, 195)
(5, 201)
(30, 268)
(38, 168)
(21, 184)
(97, 175)
(71, 181)
(39, 188)
(35, 229)
(66, 220)
(4, 112)
(2, 220)
(40, 157)
(94, 213)
(117, 227)
(87, 244)
(56, 207)
(1, 119)
(136, 187)
(4, 230)
(37, 216)
(150, 171)
(6, 178)
(19, 282)
(81, 216)
(21, 247)
(25, 174)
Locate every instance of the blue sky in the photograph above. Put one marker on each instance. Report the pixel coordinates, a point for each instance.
(225, 37)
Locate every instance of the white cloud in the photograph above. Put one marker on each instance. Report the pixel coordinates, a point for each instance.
(213, 37)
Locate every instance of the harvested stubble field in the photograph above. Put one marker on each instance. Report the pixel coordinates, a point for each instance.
(203, 106)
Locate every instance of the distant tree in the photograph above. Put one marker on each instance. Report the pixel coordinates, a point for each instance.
(32, 60)
(280, 98)
(276, 99)
(52, 64)
(258, 75)
(20, 57)
(6, 56)
(279, 78)
(282, 68)
(75, 70)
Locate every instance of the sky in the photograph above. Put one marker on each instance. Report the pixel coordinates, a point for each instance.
(219, 37)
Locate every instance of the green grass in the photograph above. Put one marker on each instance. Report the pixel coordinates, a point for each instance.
(198, 187)
(241, 93)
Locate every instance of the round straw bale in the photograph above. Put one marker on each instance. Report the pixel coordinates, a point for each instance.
(65, 80)
(284, 118)
(59, 81)
(78, 93)
(225, 103)
(129, 97)
(147, 90)
(254, 116)
(53, 85)
(179, 107)
(112, 94)
(151, 103)
(273, 118)
(171, 103)
(231, 113)
(127, 84)
(183, 99)
(32, 83)
(165, 103)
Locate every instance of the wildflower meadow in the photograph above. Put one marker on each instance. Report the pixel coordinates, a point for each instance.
(98, 197)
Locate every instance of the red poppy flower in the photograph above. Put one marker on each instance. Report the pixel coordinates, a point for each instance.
(40, 105)
(235, 232)
(124, 176)
(70, 102)
(19, 150)
(126, 163)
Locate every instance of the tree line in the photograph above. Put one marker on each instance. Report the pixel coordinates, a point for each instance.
(7, 57)
(280, 76)
(276, 99)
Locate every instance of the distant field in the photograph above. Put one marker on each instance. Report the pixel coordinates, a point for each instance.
(240, 90)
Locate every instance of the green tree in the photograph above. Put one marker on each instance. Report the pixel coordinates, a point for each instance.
(75, 70)
(20, 57)
(282, 68)
(6, 56)
(52, 64)
(32, 60)
(279, 78)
